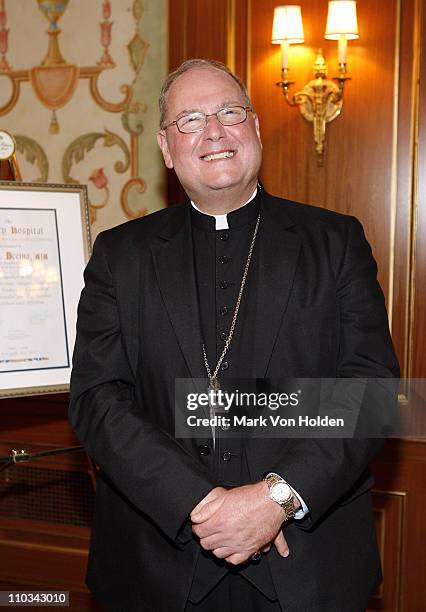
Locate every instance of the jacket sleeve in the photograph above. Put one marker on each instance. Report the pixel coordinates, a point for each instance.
(147, 465)
(329, 471)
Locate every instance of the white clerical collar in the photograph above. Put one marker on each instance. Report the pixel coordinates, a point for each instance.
(222, 220)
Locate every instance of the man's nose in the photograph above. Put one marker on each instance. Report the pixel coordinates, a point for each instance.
(214, 129)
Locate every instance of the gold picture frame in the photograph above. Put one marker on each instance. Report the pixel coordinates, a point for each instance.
(45, 244)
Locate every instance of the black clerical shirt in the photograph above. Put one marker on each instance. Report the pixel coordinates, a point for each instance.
(220, 258)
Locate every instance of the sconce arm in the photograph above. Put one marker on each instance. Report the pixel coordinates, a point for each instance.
(295, 99)
(340, 80)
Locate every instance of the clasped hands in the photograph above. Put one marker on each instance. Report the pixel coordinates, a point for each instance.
(236, 523)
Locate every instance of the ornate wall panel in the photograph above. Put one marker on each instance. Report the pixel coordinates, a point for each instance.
(417, 327)
(79, 83)
(389, 512)
(399, 500)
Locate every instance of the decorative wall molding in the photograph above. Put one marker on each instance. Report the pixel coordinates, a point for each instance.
(85, 87)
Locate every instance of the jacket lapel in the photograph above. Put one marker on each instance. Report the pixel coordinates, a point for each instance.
(174, 266)
(279, 250)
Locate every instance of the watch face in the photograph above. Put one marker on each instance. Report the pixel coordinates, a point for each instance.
(280, 492)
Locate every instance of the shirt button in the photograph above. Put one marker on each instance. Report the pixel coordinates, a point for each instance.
(224, 336)
(224, 311)
(226, 456)
(223, 259)
(224, 236)
(203, 450)
(223, 284)
(224, 366)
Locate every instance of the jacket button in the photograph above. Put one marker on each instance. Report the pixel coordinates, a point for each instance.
(224, 336)
(224, 310)
(223, 236)
(226, 456)
(223, 259)
(203, 450)
(223, 284)
(224, 365)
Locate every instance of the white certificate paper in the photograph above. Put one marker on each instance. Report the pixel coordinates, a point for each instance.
(32, 316)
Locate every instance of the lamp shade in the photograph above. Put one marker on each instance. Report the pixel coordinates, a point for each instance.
(341, 20)
(287, 25)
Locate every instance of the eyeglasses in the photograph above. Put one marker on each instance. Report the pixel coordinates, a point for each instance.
(197, 121)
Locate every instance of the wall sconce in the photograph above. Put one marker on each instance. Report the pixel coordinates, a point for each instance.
(321, 100)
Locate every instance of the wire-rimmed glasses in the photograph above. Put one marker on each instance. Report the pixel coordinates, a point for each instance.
(197, 121)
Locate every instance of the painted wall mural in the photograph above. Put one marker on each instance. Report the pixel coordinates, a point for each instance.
(80, 97)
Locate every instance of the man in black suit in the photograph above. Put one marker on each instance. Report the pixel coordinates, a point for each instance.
(233, 284)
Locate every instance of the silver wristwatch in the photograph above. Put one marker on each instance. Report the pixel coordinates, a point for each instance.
(281, 493)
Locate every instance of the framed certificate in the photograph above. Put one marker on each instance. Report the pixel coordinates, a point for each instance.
(44, 247)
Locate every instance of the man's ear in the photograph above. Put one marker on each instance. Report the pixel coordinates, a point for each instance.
(162, 143)
(257, 126)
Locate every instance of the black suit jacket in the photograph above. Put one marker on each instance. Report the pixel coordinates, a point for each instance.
(321, 313)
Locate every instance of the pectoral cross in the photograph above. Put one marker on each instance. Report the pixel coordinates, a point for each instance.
(214, 385)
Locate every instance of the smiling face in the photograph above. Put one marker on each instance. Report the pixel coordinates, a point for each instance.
(220, 163)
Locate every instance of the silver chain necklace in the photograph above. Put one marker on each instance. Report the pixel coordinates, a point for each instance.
(214, 383)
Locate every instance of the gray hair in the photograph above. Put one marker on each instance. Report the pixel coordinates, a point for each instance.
(189, 65)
